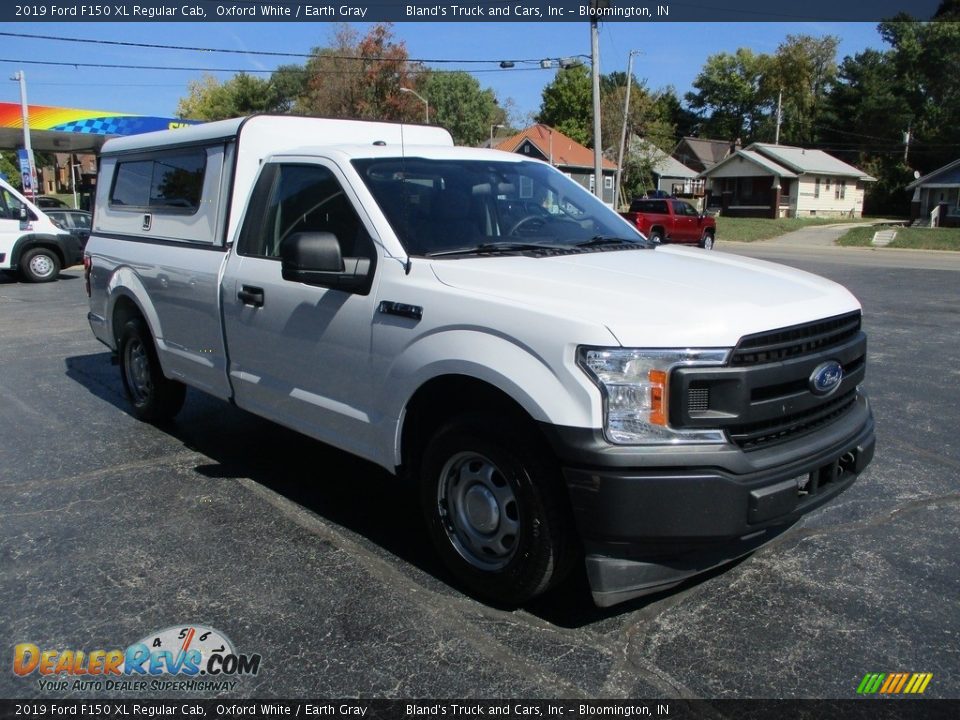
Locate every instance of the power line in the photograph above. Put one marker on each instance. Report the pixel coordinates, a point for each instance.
(269, 53)
(249, 71)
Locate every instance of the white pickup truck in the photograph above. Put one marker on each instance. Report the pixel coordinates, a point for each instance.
(559, 389)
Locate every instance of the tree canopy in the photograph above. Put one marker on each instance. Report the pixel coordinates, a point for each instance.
(356, 77)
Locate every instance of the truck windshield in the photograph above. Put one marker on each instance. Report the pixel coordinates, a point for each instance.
(440, 207)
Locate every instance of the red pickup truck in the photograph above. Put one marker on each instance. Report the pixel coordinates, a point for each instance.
(671, 220)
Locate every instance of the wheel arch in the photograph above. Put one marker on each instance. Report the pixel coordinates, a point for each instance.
(33, 240)
(129, 299)
(430, 407)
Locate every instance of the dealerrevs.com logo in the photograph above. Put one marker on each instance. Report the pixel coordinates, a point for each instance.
(190, 658)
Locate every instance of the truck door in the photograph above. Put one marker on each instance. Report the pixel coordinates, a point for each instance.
(300, 354)
(686, 228)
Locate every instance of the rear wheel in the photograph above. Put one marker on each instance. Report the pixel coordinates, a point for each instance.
(656, 236)
(39, 265)
(494, 509)
(706, 242)
(153, 396)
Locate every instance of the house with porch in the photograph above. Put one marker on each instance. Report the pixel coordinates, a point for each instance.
(765, 180)
(566, 154)
(936, 197)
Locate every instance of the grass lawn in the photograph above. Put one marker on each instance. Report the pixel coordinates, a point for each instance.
(913, 238)
(751, 229)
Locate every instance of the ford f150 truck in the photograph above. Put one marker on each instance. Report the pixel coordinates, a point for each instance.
(561, 390)
(671, 220)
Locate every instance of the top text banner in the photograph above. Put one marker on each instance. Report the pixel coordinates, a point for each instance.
(466, 11)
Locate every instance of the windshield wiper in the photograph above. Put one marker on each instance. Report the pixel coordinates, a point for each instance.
(600, 240)
(490, 248)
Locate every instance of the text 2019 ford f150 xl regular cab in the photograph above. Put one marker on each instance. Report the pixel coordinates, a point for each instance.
(561, 390)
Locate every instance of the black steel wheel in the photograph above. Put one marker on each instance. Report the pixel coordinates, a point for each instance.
(154, 397)
(495, 511)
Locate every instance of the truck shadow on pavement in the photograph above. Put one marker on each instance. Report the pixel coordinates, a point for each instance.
(369, 504)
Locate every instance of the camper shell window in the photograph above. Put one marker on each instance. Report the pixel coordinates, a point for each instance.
(167, 182)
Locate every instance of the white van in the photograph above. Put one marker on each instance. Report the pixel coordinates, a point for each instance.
(30, 241)
(558, 389)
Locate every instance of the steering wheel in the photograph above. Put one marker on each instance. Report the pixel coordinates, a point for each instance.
(527, 220)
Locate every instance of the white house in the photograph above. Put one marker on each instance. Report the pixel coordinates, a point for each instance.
(763, 180)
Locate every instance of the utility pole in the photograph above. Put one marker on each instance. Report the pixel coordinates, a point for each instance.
(623, 134)
(595, 59)
(30, 192)
(906, 145)
(776, 139)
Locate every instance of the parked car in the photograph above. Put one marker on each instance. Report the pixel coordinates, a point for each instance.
(30, 242)
(669, 220)
(75, 222)
(558, 390)
(48, 201)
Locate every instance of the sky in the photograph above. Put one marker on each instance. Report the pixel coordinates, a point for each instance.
(670, 54)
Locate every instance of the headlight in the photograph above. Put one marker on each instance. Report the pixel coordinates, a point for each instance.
(636, 399)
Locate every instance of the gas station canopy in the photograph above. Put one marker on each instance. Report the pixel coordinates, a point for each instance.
(71, 130)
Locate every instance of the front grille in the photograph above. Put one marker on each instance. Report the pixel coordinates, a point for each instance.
(795, 341)
(753, 436)
(764, 396)
(698, 399)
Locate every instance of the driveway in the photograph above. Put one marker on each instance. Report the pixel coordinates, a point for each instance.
(814, 236)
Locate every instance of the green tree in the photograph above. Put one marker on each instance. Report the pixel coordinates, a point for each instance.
(922, 59)
(804, 69)
(10, 168)
(209, 99)
(729, 94)
(458, 104)
(671, 110)
(567, 104)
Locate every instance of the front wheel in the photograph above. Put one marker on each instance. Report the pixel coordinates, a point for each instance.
(494, 509)
(706, 242)
(153, 396)
(39, 265)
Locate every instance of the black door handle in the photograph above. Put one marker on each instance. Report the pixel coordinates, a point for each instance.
(251, 296)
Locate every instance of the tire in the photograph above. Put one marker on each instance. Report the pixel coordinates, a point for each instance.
(39, 264)
(153, 396)
(494, 509)
(656, 237)
(707, 242)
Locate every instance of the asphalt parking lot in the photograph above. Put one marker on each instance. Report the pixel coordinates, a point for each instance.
(112, 530)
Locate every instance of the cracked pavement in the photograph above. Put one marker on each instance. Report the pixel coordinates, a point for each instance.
(111, 529)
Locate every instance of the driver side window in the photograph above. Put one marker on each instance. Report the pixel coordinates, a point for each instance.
(290, 199)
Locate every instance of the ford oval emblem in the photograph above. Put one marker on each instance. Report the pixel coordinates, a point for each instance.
(826, 378)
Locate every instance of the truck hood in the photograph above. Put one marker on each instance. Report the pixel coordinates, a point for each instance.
(668, 297)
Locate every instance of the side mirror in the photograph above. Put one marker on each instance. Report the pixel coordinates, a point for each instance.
(314, 258)
(24, 218)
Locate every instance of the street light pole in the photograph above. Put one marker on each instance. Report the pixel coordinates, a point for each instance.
(597, 149)
(25, 116)
(492, 128)
(426, 103)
